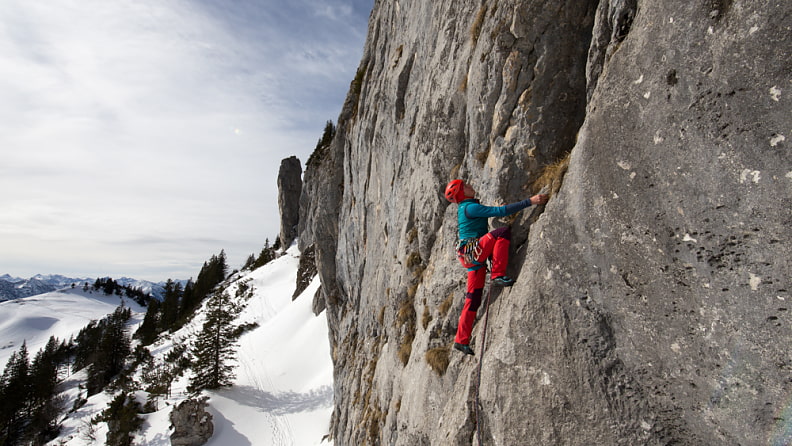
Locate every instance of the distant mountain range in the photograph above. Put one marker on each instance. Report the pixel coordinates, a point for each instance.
(15, 287)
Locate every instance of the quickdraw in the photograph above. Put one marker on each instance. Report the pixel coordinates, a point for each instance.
(468, 251)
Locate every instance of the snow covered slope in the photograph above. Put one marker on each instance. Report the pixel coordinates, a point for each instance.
(59, 313)
(283, 392)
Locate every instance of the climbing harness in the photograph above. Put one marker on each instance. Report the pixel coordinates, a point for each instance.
(468, 251)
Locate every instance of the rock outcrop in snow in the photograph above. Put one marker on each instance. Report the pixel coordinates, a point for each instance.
(192, 424)
(652, 298)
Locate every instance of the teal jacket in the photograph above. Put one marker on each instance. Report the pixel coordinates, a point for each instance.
(473, 217)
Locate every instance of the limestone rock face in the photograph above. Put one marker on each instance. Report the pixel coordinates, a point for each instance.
(192, 423)
(289, 192)
(652, 297)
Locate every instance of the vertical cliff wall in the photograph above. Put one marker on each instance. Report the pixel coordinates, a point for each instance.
(652, 302)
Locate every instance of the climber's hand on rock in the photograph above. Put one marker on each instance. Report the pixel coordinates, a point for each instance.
(539, 199)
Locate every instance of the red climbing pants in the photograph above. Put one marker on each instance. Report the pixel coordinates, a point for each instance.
(496, 245)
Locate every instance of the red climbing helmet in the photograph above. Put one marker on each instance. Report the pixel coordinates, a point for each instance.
(455, 191)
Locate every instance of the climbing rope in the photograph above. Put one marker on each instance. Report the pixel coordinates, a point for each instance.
(544, 190)
(481, 361)
(484, 339)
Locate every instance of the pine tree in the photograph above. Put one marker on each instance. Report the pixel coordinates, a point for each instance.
(44, 372)
(323, 145)
(137, 294)
(46, 404)
(222, 267)
(84, 345)
(123, 419)
(147, 332)
(202, 286)
(251, 260)
(116, 341)
(110, 352)
(267, 255)
(157, 378)
(170, 305)
(215, 346)
(189, 301)
(15, 392)
(212, 273)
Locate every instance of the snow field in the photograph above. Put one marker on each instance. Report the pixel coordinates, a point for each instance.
(282, 395)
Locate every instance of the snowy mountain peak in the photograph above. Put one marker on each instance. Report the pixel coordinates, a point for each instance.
(15, 288)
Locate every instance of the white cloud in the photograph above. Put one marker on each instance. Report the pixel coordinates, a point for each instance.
(159, 120)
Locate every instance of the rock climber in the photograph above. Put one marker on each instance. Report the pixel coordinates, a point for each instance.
(476, 245)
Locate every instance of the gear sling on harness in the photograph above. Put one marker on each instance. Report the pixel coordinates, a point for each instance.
(468, 253)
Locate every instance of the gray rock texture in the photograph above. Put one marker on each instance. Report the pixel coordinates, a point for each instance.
(289, 192)
(192, 424)
(652, 301)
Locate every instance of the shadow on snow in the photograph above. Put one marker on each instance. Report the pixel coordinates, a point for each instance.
(282, 403)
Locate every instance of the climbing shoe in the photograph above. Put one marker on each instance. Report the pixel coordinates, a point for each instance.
(464, 348)
(503, 281)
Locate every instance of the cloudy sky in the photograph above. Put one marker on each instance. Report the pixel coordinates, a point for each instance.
(139, 137)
